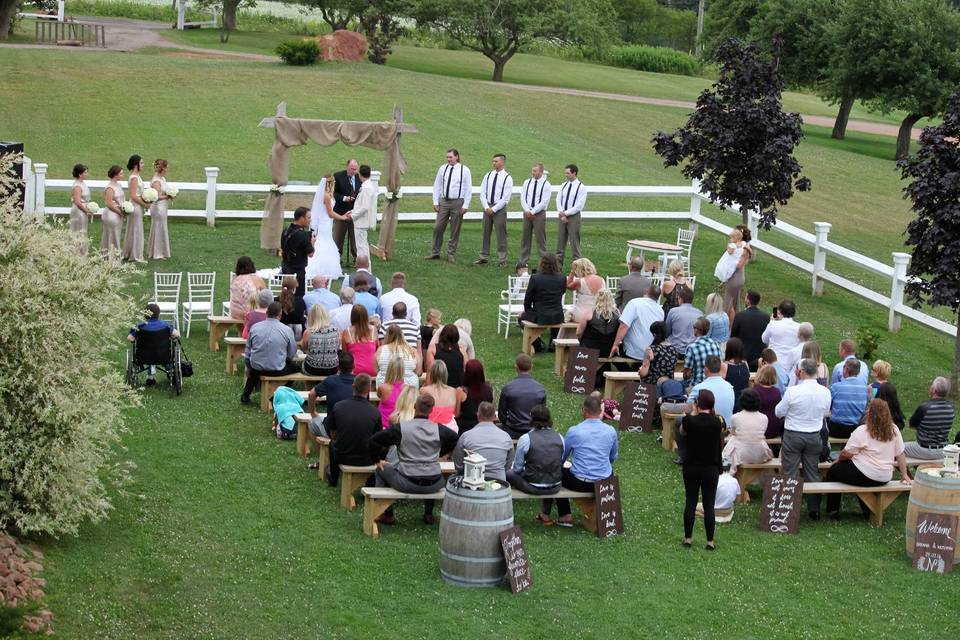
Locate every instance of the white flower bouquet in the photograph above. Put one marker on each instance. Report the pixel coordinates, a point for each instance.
(393, 196)
(92, 208)
(127, 207)
(277, 189)
(171, 190)
(150, 195)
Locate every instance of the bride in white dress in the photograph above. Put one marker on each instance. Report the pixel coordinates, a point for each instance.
(326, 258)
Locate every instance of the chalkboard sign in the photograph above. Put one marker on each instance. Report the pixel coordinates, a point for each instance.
(581, 370)
(606, 494)
(936, 538)
(518, 565)
(639, 405)
(780, 510)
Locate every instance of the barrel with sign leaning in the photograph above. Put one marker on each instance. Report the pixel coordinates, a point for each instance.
(933, 494)
(469, 537)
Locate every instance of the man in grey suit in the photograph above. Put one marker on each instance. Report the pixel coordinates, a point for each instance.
(633, 285)
(518, 397)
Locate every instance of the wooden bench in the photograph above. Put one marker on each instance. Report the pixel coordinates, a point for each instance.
(532, 331)
(562, 347)
(269, 385)
(304, 436)
(379, 499)
(235, 348)
(219, 325)
(877, 499)
(614, 381)
(352, 478)
(832, 441)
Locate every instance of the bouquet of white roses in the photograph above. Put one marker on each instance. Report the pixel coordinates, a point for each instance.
(393, 196)
(150, 195)
(92, 208)
(127, 207)
(171, 190)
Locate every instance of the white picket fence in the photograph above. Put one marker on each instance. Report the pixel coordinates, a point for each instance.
(38, 185)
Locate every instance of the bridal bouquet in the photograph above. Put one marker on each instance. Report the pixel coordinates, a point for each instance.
(276, 189)
(393, 196)
(127, 207)
(92, 208)
(150, 195)
(171, 190)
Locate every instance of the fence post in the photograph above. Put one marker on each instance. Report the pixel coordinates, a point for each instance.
(900, 263)
(181, 14)
(694, 202)
(821, 229)
(60, 10)
(29, 187)
(212, 173)
(40, 171)
(753, 224)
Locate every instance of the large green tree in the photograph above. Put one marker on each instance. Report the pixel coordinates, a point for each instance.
(8, 11)
(498, 28)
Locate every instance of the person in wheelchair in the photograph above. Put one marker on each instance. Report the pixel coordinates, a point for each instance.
(271, 349)
(152, 323)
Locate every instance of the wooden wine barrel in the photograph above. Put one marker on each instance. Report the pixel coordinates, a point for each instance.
(936, 495)
(470, 524)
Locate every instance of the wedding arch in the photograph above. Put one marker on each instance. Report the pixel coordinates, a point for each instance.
(293, 132)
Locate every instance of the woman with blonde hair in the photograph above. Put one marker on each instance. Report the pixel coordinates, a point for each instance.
(321, 343)
(599, 329)
(395, 347)
(360, 340)
(869, 456)
(389, 390)
(158, 242)
(674, 285)
(325, 260)
(406, 405)
(584, 280)
(294, 313)
(447, 399)
(719, 322)
(811, 351)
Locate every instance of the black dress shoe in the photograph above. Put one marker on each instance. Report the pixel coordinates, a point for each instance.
(244, 399)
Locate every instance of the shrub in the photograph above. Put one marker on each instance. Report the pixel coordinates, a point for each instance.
(298, 52)
(62, 398)
(868, 341)
(653, 59)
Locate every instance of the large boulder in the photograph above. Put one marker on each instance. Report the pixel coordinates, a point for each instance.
(343, 45)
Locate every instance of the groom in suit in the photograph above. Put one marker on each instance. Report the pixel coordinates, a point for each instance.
(365, 212)
(346, 186)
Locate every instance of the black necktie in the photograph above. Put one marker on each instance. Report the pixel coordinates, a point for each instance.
(449, 180)
(526, 194)
(493, 188)
(566, 200)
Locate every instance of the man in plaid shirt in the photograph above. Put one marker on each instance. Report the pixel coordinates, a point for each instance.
(698, 350)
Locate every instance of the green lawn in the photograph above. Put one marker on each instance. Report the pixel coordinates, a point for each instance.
(262, 42)
(225, 533)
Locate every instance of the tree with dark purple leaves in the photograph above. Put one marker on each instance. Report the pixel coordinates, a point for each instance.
(933, 277)
(739, 143)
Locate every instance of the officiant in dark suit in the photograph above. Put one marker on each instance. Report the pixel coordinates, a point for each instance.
(346, 185)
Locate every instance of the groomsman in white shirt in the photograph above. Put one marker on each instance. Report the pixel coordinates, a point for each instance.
(495, 191)
(452, 190)
(534, 198)
(570, 201)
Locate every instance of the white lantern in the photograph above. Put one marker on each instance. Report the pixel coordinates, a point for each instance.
(473, 468)
(951, 458)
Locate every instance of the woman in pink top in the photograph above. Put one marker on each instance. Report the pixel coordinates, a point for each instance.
(447, 399)
(245, 283)
(360, 340)
(869, 457)
(389, 391)
(747, 443)
(259, 311)
(584, 280)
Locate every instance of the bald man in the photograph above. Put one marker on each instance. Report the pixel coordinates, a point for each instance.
(346, 186)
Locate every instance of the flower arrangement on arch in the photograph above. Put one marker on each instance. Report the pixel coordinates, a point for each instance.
(276, 189)
(393, 196)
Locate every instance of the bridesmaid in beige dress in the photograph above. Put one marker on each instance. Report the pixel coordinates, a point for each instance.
(79, 211)
(158, 243)
(133, 233)
(112, 212)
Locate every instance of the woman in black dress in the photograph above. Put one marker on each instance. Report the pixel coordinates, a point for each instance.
(476, 390)
(661, 357)
(543, 302)
(448, 350)
(735, 370)
(600, 329)
(701, 468)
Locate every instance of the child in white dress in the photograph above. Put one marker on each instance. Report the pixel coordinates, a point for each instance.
(727, 264)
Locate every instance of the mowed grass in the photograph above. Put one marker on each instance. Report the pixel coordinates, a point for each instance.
(262, 42)
(226, 534)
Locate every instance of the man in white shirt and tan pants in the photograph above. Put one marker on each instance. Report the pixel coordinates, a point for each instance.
(570, 202)
(364, 212)
(452, 190)
(534, 198)
(495, 191)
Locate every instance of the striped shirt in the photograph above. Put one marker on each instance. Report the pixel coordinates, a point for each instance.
(410, 329)
(849, 401)
(933, 420)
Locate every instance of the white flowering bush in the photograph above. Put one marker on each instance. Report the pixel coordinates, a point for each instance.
(61, 384)
(150, 195)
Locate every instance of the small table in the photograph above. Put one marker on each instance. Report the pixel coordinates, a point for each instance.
(219, 326)
(659, 248)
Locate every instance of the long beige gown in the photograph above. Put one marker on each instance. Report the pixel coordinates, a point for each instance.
(133, 233)
(110, 238)
(158, 243)
(78, 218)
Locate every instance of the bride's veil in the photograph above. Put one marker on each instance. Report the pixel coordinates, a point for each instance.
(317, 207)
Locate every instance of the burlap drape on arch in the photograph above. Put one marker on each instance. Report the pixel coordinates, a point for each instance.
(293, 132)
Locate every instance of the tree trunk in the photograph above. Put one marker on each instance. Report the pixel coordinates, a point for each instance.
(498, 65)
(230, 14)
(8, 10)
(903, 137)
(843, 116)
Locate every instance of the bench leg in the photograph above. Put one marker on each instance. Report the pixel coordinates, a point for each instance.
(529, 337)
(745, 477)
(266, 392)
(373, 509)
(589, 508)
(303, 439)
(350, 483)
(877, 503)
(323, 459)
(667, 436)
(560, 361)
(230, 366)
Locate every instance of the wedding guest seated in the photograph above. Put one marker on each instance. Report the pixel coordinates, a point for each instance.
(363, 296)
(868, 458)
(734, 369)
(245, 283)
(633, 285)
(152, 322)
(888, 393)
(404, 409)
(271, 348)
(538, 461)
(447, 349)
(933, 420)
(335, 388)
(849, 401)
(681, 319)
(473, 391)
(880, 371)
(354, 422)
(258, 313)
(768, 357)
(321, 294)
(420, 444)
(340, 317)
(543, 301)
(519, 396)
(781, 332)
(749, 325)
(810, 350)
(320, 343)
(431, 326)
(673, 286)
(719, 320)
(487, 440)
(728, 489)
(660, 361)
(390, 389)
(593, 446)
(698, 351)
(599, 330)
(294, 312)
(360, 340)
(374, 287)
(805, 332)
(765, 386)
(465, 327)
(584, 280)
(635, 321)
(446, 398)
(409, 328)
(394, 346)
(747, 443)
(848, 352)
(399, 294)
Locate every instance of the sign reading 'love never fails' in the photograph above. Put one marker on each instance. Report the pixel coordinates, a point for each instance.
(582, 366)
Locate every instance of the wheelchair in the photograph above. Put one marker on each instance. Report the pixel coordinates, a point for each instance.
(155, 349)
